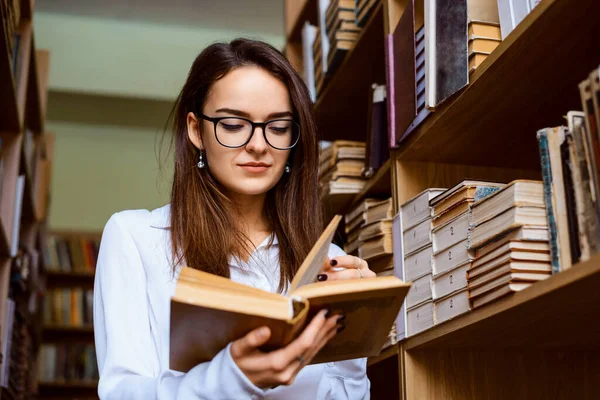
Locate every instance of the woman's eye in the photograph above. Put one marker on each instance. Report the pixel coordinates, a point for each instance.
(279, 129)
(231, 128)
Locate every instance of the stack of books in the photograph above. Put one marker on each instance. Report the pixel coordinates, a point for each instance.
(375, 237)
(354, 221)
(450, 246)
(342, 31)
(364, 9)
(484, 37)
(509, 241)
(340, 168)
(417, 248)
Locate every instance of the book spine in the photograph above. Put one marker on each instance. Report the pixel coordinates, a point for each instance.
(391, 93)
(542, 137)
(569, 187)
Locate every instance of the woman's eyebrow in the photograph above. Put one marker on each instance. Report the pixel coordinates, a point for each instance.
(244, 114)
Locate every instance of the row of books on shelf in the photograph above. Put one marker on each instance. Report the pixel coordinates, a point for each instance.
(345, 166)
(325, 46)
(69, 307)
(480, 241)
(67, 363)
(71, 253)
(17, 377)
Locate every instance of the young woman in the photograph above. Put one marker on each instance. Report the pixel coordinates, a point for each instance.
(244, 205)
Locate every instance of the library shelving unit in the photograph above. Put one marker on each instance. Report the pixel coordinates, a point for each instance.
(542, 342)
(72, 259)
(26, 154)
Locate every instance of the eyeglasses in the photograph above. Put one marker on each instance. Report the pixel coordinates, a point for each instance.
(233, 132)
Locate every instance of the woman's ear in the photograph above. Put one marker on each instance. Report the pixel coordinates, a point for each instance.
(194, 128)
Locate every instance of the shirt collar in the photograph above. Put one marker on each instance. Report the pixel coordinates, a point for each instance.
(161, 218)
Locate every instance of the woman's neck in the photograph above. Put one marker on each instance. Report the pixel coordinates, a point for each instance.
(254, 221)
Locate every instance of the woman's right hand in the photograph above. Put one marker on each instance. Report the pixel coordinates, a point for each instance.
(280, 367)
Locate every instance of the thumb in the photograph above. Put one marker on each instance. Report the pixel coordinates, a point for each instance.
(250, 342)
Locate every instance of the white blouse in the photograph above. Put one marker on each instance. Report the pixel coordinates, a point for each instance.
(133, 287)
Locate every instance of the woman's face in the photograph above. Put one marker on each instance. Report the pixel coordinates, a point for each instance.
(252, 93)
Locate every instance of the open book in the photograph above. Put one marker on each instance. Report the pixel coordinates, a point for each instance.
(208, 311)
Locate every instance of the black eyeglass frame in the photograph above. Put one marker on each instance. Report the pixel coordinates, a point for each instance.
(262, 125)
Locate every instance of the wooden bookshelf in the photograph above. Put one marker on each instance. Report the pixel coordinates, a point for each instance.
(377, 186)
(542, 316)
(362, 66)
(69, 279)
(66, 333)
(296, 13)
(91, 385)
(536, 344)
(540, 64)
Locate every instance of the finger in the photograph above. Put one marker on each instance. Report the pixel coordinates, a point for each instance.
(249, 343)
(282, 358)
(352, 273)
(348, 262)
(329, 334)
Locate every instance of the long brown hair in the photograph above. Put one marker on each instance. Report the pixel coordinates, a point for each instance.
(204, 230)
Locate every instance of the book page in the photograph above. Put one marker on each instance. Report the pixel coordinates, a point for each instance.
(313, 263)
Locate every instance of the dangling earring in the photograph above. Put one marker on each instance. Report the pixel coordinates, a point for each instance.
(201, 161)
(287, 169)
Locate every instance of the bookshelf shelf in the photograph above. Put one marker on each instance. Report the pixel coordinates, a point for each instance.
(559, 312)
(91, 385)
(391, 351)
(69, 279)
(9, 114)
(300, 11)
(340, 109)
(378, 186)
(527, 83)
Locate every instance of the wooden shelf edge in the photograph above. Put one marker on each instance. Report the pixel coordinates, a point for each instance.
(92, 385)
(61, 274)
(537, 290)
(85, 329)
(295, 34)
(384, 355)
(375, 14)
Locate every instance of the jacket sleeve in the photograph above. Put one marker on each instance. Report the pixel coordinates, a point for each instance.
(126, 350)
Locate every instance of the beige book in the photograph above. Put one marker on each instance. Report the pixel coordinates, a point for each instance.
(353, 227)
(499, 280)
(375, 248)
(418, 264)
(360, 210)
(503, 290)
(417, 209)
(481, 45)
(507, 272)
(535, 239)
(386, 272)
(419, 318)
(507, 221)
(382, 264)
(465, 190)
(451, 306)
(450, 234)
(450, 282)
(523, 251)
(353, 235)
(379, 211)
(417, 237)
(516, 194)
(375, 229)
(483, 29)
(352, 247)
(450, 258)
(476, 59)
(228, 310)
(341, 35)
(420, 291)
(537, 266)
(451, 213)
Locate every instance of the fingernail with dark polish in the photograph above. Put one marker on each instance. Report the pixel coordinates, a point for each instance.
(341, 319)
(341, 328)
(321, 277)
(333, 263)
(327, 312)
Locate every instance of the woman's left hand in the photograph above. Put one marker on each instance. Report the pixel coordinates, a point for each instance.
(345, 267)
